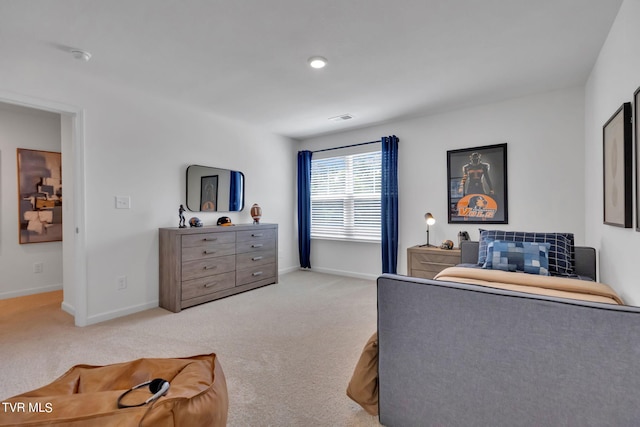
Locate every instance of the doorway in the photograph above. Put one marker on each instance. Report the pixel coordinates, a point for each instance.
(74, 271)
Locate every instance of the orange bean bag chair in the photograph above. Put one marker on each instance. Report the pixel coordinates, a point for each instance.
(88, 396)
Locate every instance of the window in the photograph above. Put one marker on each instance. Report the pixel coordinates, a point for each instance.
(345, 197)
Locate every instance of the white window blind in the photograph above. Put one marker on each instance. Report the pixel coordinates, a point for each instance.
(345, 197)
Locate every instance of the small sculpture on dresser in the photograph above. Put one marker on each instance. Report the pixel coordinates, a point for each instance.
(195, 222)
(181, 216)
(447, 244)
(256, 213)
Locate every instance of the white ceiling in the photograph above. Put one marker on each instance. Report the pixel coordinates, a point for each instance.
(388, 59)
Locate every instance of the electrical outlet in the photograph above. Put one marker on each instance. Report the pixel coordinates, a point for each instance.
(38, 267)
(122, 283)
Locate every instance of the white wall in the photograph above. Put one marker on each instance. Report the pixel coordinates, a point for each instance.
(614, 79)
(36, 130)
(140, 146)
(545, 137)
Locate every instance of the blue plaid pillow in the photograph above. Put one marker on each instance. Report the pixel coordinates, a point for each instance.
(561, 251)
(529, 257)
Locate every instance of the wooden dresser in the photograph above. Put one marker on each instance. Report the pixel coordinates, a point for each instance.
(201, 264)
(426, 262)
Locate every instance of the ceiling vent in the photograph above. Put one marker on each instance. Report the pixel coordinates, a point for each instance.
(341, 118)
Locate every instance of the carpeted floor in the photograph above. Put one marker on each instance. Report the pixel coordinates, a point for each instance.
(287, 350)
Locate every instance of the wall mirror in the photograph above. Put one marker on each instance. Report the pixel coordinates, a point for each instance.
(212, 189)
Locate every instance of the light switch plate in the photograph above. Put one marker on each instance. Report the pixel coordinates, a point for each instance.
(123, 202)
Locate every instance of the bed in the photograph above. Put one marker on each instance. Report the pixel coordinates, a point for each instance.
(501, 353)
(580, 283)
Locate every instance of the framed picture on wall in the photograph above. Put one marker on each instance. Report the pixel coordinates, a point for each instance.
(636, 105)
(477, 185)
(616, 157)
(39, 196)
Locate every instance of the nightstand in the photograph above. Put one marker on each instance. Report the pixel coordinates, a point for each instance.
(426, 262)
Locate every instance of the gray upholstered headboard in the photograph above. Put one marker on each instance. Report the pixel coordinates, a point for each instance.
(585, 258)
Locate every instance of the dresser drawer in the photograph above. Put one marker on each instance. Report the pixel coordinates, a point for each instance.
(206, 239)
(259, 272)
(432, 268)
(432, 260)
(259, 257)
(208, 285)
(427, 262)
(210, 250)
(257, 234)
(255, 245)
(208, 267)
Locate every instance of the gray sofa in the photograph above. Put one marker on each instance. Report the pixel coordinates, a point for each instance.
(465, 355)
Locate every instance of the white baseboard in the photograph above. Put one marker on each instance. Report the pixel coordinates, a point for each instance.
(102, 317)
(68, 308)
(345, 273)
(288, 270)
(30, 291)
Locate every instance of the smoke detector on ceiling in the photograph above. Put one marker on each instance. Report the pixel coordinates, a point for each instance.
(341, 118)
(80, 54)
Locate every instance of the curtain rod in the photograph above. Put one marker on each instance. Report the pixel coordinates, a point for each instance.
(346, 146)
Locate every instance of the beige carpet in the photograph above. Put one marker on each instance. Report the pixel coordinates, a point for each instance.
(287, 350)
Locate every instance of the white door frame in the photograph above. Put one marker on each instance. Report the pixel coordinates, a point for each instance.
(78, 245)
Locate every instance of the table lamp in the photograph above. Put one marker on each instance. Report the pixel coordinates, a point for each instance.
(430, 220)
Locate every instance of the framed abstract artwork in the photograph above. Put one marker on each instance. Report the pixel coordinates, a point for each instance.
(617, 165)
(477, 185)
(39, 196)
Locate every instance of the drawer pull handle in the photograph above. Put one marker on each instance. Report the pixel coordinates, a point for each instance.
(210, 239)
(209, 285)
(209, 252)
(256, 258)
(257, 273)
(257, 245)
(209, 267)
(257, 235)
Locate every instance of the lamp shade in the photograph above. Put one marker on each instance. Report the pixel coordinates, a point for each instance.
(429, 218)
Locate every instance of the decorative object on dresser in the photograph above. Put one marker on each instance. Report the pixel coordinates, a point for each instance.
(181, 210)
(447, 244)
(426, 262)
(195, 222)
(462, 237)
(224, 221)
(199, 265)
(256, 213)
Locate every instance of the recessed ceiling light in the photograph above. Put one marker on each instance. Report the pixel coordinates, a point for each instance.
(80, 54)
(317, 62)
